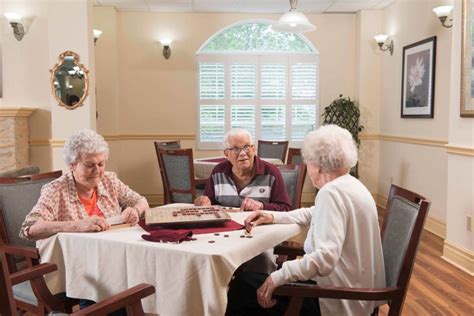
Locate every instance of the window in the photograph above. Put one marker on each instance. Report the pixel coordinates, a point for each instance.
(251, 77)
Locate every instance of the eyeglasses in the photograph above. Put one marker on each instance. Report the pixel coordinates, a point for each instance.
(237, 150)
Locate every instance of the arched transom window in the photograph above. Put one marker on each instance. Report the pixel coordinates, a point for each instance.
(251, 77)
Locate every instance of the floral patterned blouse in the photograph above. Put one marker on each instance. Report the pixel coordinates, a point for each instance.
(59, 200)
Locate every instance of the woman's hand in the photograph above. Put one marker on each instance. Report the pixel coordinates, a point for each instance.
(202, 200)
(130, 215)
(249, 204)
(257, 218)
(93, 224)
(265, 292)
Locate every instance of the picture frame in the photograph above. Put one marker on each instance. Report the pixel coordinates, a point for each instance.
(418, 79)
(467, 55)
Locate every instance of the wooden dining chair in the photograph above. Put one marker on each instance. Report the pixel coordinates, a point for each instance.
(16, 201)
(272, 149)
(403, 223)
(294, 156)
(129, 299)
(172, 144)
(293, 177)
(178, 170)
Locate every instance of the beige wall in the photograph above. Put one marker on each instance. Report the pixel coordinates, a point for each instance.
(158, 97)
(26, 76)
(416, 167)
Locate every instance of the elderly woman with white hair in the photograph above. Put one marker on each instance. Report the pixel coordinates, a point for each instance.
(82, 199)
(343, 245)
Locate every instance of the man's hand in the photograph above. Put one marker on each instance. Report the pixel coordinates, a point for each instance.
(202, 200)
(130, 215)
(257, 218)
(265, 292)
(249, 204)
(92, 224)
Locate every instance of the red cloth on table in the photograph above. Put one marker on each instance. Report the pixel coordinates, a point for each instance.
(159, 233)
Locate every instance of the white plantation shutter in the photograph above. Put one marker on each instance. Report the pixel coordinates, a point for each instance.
(274, 97)
(211, 122)
(303, 78)
(243, 116)
(273, 81)
(303, 120)
(273, 122)
(243, 81)
(211, 81)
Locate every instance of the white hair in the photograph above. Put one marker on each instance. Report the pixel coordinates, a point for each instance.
(236, 132)
(83, 142)
(330, 147)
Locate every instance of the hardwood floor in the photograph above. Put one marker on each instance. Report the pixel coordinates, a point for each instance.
(437, 287)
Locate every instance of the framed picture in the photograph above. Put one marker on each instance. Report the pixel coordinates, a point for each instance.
(467, 75)
(418, 79)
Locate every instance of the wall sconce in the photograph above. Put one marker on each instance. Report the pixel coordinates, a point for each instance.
(166, 47)
(442, 13)
(97, 34)
(15, 21)
(381, 39)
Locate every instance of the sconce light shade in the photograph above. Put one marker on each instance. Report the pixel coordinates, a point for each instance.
(15, 21)
(293, 21)
(442, 13)
(381, 39)
(166, 47)
(97, 34)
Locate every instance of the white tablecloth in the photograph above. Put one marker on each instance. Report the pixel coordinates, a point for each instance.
(203, 167)
(190, 278)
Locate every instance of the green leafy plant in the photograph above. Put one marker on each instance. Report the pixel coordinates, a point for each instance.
(345, 113)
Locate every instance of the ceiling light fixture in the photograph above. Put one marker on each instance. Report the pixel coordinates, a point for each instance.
(293, 21)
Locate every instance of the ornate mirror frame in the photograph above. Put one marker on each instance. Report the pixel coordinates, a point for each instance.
(467, 54)
(85, 90)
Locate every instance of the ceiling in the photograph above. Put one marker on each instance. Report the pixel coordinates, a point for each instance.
(245, 6)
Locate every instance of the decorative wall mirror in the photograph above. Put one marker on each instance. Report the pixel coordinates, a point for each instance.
(69, 81)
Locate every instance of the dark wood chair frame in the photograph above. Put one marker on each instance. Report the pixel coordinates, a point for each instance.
(164, 145)
(194, 182)
(394, 295)
(268, 142)
(130, 299)
(291, 153)
(300, 181)
(32, 177)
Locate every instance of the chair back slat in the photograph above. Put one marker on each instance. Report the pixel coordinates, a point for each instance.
(178, 170)
(293, 177)
(171, 144)
(272, 149)
(16, 201)
(404, 218)
(294, 156)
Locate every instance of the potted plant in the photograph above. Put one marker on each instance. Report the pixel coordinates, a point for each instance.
(345, 113)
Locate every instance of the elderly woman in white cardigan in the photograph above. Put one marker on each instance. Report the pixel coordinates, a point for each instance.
(343, 245)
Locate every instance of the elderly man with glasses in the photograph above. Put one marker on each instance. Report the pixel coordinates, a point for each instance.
(244, 180)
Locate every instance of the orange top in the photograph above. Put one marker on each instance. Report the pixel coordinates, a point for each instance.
(91, 205)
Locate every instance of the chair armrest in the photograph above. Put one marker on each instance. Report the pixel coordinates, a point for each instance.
(130, 298)
(35, 272)
(27, 252)
(309, 290)
(289, 248)
(200, 181)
